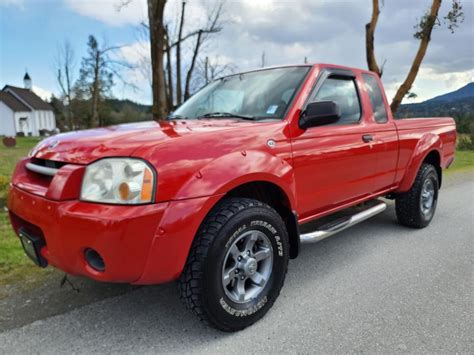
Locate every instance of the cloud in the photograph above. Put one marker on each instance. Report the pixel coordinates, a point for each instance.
(111, 12)
(322, 31)
(451, 80)
(43, 93)
(136, 52)
(138, 76)
(334, 31)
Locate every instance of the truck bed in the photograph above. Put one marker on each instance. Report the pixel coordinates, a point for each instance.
(414, 132)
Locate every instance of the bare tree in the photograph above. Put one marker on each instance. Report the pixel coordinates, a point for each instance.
(169, 71)
(157, 44)
(143, 52)
(179, 95)
(65, 64)
(424, 29)
(211, 69)
(214, 25)
(193, 64)
(369, 38)
(145, 64)
(162, 44)
(98, 68)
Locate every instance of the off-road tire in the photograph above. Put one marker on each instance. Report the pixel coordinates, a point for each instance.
(408, 204)
(200, 285)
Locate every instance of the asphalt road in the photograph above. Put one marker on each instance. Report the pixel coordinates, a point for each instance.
(377, 287)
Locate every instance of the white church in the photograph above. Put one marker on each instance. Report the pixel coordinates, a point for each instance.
(24, 113)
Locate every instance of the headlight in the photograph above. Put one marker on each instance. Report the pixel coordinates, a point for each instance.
(118, 181)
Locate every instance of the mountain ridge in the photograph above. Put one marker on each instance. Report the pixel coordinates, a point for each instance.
(458, 104)
(464, 92)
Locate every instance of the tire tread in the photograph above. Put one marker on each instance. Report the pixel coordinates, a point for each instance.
(407, 204)
(189, 284)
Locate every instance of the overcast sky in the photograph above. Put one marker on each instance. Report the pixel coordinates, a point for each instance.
(287, 31)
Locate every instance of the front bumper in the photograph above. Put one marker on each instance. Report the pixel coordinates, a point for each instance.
(139, 244)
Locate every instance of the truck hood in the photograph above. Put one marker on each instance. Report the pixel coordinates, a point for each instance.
(84, 147)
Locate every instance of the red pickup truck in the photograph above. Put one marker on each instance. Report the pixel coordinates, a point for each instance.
(222, 194)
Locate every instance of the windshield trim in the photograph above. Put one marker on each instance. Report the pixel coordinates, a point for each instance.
(257, 70)
(297, 92)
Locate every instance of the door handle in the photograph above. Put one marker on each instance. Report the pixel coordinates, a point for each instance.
(367, 138)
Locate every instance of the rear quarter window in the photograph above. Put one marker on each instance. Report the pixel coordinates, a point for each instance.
(376, 98)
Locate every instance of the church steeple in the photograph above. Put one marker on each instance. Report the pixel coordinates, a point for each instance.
(27, 81)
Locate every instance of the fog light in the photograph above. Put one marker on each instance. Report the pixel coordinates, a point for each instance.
(94, 260)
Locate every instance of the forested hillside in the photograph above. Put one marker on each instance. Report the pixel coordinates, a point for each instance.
(458, 104)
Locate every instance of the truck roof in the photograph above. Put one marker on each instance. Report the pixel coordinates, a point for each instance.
(321, 65)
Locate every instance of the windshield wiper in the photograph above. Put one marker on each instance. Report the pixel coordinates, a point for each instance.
(227, 114)
(173, 117)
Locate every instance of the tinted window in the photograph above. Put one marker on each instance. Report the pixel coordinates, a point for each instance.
(376, 98)
(344, 93)
(263, 94)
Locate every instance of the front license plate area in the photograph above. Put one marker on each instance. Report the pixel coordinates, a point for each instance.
(32, 246)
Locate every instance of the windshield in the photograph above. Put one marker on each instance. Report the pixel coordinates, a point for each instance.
(254, 95)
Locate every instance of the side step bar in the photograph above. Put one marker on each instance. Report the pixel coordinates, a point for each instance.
(342, 224)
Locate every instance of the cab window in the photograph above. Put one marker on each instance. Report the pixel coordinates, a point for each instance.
(344, 93)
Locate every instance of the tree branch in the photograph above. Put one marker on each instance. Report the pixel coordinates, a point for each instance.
(191, 68)
(179, 95)
(426, 28)
(369, 39)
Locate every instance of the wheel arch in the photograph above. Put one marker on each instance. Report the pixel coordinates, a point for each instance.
(434, 158)
(272, 194)
(253, 174)
(428, 150)
(276, 197)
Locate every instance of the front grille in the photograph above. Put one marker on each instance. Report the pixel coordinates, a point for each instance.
(42, 170)
(47, 168)
(38, 174)
(48, 163)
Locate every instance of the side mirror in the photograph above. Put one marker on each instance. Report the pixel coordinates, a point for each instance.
(319, 114)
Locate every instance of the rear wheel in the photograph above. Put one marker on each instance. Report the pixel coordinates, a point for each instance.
(416, 207)
(237, 264)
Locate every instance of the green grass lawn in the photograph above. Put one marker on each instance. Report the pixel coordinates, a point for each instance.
(8, 159)
(464, 160)
(14, 265)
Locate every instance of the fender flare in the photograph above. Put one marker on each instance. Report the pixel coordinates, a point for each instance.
(237, 168)
(427, 144)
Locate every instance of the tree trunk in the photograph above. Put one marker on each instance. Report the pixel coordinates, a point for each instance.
(70, 119)
(68, 111)
(179, 95)
(169, 72)
(65, 61)
(191, 68)
(157, 38)
(95, 92)
(424, 42)
(369, 38)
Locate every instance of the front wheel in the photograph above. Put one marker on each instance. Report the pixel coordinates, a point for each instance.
(237, 264)
(416, 207)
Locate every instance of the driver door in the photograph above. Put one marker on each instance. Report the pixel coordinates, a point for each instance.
(334, 164)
